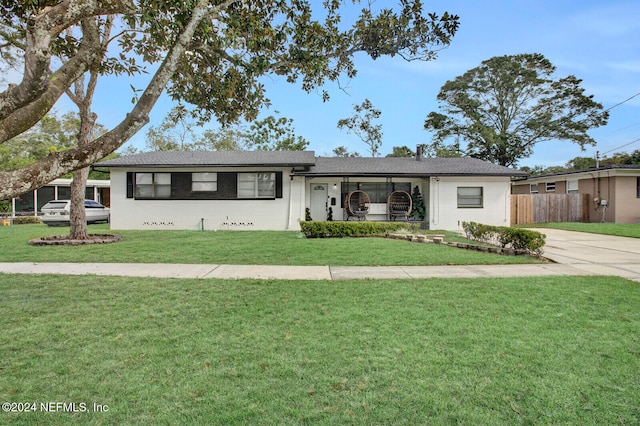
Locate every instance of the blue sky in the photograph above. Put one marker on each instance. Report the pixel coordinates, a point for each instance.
(597, 41)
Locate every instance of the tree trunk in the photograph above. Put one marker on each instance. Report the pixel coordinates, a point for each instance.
(78, 219)
(83, 98)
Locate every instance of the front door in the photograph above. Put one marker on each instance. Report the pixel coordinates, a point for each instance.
(319, 194)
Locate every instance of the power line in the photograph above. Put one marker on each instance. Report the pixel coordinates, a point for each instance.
(628, 127)
(620, 103)
(627, 144)
(609, 109)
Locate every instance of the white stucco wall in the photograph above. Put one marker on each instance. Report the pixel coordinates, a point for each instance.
(440, 197)
(269, 214)
(445, 214)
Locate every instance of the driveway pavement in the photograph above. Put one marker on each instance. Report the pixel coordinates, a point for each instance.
(594, 253)
(573, 253)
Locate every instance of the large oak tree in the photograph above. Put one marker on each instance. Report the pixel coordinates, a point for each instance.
(500, 110)
(208, 53)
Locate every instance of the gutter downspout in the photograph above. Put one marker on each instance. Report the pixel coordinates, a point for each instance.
(436, 200)
(290, 201)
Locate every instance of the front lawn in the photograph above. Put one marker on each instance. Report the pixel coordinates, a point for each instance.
(552, 350)
(617, 229)
(237, 248)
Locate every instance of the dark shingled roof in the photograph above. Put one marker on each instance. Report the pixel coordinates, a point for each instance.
(590, 170)
(213, 158)
(316, 166)
(385, 166)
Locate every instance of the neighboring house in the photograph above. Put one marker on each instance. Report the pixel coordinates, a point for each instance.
(29, 204)
(614, 191)
(270, 190)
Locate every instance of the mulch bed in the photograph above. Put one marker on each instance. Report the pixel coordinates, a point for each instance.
(65, 240)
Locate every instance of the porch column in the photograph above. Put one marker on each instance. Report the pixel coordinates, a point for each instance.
(296, 202)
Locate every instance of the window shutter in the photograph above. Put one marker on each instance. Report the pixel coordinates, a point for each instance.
(278, 184)
(129, 184)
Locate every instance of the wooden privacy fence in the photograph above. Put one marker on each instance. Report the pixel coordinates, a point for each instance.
(540, 208)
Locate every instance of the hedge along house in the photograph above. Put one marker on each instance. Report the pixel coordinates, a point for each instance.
(271, 190)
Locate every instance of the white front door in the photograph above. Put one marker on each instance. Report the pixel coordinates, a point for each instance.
(319, 196)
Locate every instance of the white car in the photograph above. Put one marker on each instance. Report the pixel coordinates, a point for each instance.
(57, 212)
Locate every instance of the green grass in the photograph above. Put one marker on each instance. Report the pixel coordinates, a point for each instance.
(552, 350)
(236, 248)
(616, 229)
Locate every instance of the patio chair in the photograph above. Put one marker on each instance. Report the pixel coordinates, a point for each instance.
(399, 205)
(357, 205)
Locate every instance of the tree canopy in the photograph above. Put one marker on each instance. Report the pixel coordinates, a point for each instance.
(52, 134)
(343, 151)
(402, 151)
(209, 54)
(177, 132)
(583, 163)
(500, 110)
(361, 124)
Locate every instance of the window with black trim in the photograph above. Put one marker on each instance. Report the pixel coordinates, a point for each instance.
(153, 185)
(377, 191)
(470, 197)
(550, 187)
(204, 182)
(256, 185)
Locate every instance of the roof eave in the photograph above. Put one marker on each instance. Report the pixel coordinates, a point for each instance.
(421, 175)
(175, 166)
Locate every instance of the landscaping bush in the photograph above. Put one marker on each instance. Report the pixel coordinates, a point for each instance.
(515, 238)
(25, 220)
(349, 229)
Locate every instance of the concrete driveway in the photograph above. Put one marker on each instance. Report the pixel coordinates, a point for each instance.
(594, 253)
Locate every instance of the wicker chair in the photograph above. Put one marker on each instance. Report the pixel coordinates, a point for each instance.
(399, 205)
(357, 205)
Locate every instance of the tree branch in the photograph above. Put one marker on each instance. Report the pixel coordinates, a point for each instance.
(21, 119)
(41, 31)
(40, 173)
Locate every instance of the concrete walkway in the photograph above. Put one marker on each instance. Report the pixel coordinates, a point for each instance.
(575, 253)
(593, 253)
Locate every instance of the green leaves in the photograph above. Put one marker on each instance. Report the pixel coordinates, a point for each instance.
(318, 229)
(361, 124)
(515, 238)
(209, 54)
(177, 132)
(502, 108)
(275, 134)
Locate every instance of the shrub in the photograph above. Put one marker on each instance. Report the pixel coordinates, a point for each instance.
(25, 220)
(418, 210)
(328, 229)
(515, 238)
